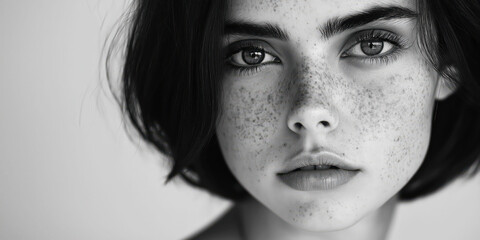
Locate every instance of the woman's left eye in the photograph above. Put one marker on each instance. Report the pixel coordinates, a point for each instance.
(251, 56)
(370, 48)
(375, 46)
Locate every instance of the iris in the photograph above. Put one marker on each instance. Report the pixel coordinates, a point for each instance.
(371, 47)
(253, 56)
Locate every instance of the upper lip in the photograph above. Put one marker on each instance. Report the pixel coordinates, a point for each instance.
(322, 158)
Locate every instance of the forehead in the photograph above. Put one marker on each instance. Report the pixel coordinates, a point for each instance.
(300, 13)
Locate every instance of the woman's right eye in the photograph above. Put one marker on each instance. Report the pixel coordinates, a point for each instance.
(252, 56)
(248, 57)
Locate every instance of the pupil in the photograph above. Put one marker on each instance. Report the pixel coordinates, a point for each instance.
(253, 56)
(371, 48)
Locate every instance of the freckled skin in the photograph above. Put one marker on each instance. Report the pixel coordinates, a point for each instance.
(383, 115)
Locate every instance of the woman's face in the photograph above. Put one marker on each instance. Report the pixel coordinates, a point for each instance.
(309, 81)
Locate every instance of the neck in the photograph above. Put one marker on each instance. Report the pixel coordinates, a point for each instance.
(258, 222)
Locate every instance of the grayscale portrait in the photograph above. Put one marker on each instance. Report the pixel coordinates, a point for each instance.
(242, 120)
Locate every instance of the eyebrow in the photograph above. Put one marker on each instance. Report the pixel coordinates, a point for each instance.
(330, 28)
(262, 30)
(338, 25)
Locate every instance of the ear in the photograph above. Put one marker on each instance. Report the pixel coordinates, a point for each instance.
(445, 87)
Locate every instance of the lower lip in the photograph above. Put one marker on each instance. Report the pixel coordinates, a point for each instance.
(311, 180)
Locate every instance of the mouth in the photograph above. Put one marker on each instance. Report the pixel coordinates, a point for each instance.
(315, 167)
(323, 171)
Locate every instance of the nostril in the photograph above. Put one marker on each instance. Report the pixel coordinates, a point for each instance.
(324, 123)
(298, 126)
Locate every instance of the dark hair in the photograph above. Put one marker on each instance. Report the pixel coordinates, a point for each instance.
(171, 87)
(454, 29)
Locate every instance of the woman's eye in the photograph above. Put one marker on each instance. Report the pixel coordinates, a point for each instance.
(252, 56)
(370, 48)
(375, 46)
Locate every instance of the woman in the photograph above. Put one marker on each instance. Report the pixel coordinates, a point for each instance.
(316, 117)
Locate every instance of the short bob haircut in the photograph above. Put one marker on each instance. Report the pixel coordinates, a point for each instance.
(172, 72)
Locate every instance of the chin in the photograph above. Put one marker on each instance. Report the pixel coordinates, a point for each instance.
(323, 216)
(326, 223)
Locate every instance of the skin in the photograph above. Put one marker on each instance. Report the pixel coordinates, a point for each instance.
(379, 118)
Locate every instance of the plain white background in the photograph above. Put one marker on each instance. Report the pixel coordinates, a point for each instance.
(69, 171)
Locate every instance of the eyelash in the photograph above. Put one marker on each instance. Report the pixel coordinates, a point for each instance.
(397, 41)
(382, 35)
(241, 46)
(247, 70)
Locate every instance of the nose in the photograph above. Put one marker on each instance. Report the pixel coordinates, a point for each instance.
(313, 109)
(312, 120)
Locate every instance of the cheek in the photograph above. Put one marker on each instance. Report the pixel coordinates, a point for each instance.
(252, 110)
(394, 121)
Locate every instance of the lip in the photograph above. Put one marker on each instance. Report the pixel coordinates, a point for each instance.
(322, 158)
(311, 180)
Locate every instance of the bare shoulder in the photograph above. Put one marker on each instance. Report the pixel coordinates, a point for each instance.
(223, 228)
